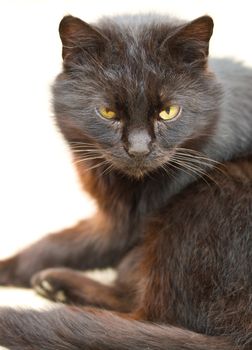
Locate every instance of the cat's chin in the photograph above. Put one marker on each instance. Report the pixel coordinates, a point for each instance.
(140, 169)
(138, 172)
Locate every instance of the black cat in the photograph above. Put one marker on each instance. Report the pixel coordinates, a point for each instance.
(164, 146)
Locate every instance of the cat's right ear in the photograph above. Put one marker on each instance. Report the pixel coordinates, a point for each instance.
(190, 42)
(78, 37)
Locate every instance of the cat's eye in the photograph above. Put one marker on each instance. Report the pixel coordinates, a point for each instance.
(107, 113)
(170, 112)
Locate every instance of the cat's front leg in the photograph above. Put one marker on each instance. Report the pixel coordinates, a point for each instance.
(74, 287)
(90, 244)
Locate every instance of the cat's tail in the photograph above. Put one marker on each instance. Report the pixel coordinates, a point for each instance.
(66, 328)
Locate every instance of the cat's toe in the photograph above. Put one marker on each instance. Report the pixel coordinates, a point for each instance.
(48, 286)
(61, 297)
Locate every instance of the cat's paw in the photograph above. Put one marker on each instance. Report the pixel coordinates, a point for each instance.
(61, 285)
(51, 284)
(7, 272)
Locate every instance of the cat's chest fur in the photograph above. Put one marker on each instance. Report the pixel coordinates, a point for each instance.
(189, 261)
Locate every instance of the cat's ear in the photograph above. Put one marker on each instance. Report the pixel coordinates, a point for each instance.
(78, 37)
(190, 43)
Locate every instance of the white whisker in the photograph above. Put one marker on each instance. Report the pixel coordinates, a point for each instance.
(87, 159)
(96, 166)
(180, 168)
(195, 169)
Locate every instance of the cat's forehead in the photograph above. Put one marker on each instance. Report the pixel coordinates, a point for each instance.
(133, 83)
(148, 26)
(133, 57)
(137, 41)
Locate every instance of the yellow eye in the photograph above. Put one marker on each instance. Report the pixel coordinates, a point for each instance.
(170, 112)
(107, 113)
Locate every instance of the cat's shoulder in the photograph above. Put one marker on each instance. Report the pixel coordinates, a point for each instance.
(229, 67)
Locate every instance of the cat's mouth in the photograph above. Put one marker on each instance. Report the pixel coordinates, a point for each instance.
(139, 167)
(138, 172)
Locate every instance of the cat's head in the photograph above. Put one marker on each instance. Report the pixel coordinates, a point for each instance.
(132, 92)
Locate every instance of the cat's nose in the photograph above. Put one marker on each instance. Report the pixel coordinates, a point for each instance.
(133, 152)
(139, 143)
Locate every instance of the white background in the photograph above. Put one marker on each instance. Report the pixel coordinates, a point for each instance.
(39, 190)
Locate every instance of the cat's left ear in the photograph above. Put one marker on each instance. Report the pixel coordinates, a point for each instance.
(190, 42)
(79, 37)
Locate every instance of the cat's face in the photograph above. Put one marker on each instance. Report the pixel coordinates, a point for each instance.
(128, 99)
